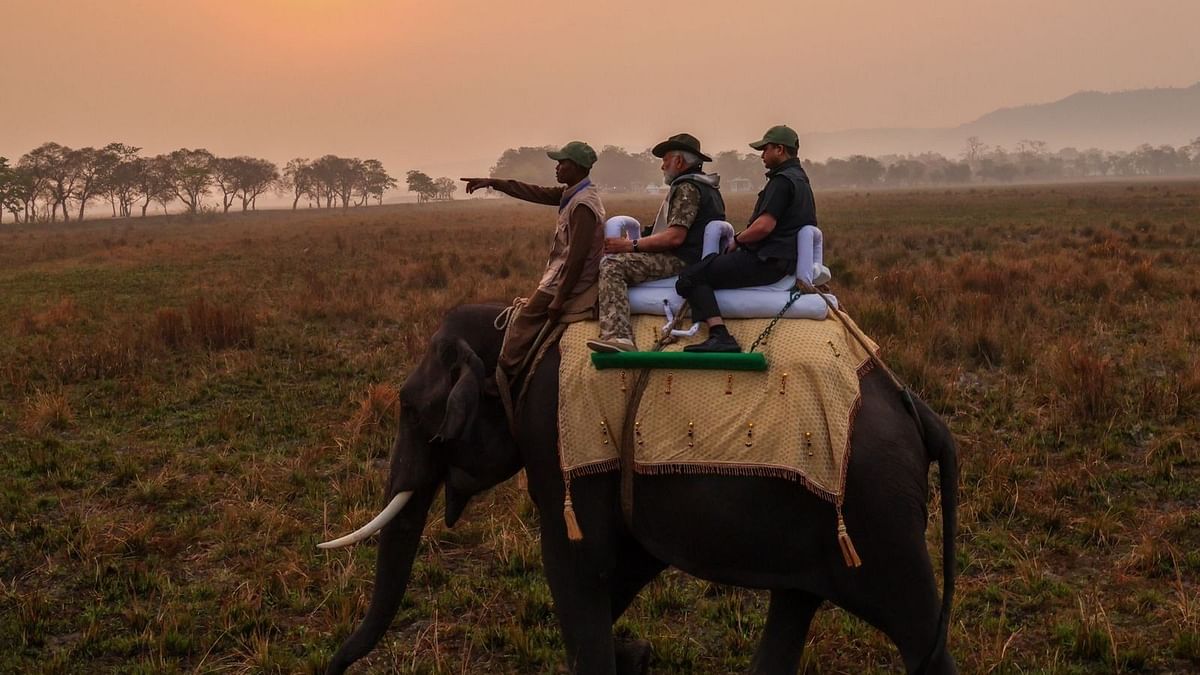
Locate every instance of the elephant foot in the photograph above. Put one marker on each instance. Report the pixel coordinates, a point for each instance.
(633, 656)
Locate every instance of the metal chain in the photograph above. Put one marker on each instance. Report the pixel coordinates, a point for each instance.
(796, 293)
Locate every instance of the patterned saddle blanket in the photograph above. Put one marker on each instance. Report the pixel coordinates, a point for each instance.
(792, 421)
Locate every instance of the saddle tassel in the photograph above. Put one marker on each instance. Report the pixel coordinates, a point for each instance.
(573, 531)
(848, 552)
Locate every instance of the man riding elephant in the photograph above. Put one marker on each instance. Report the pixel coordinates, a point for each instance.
(752, 531)
(676, 240)
(566, 292)
(765, 251)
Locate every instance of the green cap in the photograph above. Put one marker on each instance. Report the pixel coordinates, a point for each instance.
(779, 135)
(577, 151)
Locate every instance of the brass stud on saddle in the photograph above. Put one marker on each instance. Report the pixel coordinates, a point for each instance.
(783, 384)
(729, 385)
(834, 348)
(670, 379)
(622, 381)
(808, 442)
(637, 431)
(604, 431)
(691, 434)
(750, 434)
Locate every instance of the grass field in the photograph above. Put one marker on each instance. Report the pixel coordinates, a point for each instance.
(188, 406)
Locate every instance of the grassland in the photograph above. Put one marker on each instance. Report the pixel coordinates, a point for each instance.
(188, 406)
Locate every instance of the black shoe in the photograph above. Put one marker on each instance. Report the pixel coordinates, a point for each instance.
(724, 344)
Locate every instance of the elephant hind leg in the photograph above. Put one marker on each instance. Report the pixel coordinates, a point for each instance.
(782, 643)
(902, 601)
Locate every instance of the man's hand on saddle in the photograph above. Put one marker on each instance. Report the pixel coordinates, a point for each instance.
(474, 184)
(618, 245)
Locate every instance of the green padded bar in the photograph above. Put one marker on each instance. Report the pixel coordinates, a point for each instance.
(680, 361)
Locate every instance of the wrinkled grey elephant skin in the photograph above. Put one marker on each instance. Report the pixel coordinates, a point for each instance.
(764, 533)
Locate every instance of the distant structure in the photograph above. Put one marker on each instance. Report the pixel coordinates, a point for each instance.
(740, 185)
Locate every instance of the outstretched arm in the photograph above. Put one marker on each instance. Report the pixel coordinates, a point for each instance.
(515, 188)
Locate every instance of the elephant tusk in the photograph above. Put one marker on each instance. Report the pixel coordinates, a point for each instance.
(385, 516)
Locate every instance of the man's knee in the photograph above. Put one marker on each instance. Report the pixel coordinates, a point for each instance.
(685, 284)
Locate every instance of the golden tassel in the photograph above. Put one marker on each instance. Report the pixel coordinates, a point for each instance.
(573, 531)
(848, 552)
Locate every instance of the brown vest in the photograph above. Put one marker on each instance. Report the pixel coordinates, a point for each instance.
(588, 197)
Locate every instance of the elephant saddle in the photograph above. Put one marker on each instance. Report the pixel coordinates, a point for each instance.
(792, 421)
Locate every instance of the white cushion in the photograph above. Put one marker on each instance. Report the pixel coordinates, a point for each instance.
(737, 303)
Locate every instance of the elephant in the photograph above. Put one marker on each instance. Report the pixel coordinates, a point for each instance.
(755, 532)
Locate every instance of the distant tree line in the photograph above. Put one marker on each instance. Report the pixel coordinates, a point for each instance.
(53, 179)
(430, 189)
(619, 170)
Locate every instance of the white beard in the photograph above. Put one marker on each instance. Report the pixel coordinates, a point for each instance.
(668, 177)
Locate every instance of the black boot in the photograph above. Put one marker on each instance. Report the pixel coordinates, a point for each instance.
(719, 340)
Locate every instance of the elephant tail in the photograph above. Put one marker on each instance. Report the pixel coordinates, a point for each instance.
(941, 447)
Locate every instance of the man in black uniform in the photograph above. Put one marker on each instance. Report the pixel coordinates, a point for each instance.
(764, 252)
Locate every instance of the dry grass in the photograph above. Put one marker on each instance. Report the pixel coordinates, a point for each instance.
(187, 406)
(46, 410)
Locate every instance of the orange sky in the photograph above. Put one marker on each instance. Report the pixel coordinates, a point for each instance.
(445, 86)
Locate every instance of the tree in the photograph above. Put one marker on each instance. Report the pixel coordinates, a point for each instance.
(420, 183)
(51, 164)
(731, 164)
(90, 168)
(376, 181)
(255, 176)
(191, 176)
(8, 190)
(154, 181)
(617, 169)
(327, 173)
(904, 172)
(863, 171)
(526, 164)
(120, 179)
(298, 179)
(225, 177)
(975, 149)
(446, 187)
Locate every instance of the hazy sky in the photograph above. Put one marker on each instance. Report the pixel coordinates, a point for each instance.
(446, 85)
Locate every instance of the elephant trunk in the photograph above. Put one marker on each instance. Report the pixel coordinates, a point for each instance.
(398, 543)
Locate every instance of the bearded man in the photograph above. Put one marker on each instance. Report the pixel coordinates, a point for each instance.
(675, 241)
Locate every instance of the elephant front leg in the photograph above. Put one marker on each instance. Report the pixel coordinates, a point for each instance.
(584, 609)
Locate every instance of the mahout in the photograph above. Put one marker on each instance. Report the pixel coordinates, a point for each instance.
(754, 532)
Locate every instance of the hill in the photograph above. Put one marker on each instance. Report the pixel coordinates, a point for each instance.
(1109, 120)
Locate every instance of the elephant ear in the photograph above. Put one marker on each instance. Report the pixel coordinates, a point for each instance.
(462, 403)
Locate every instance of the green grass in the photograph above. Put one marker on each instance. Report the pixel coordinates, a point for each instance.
(163, 485)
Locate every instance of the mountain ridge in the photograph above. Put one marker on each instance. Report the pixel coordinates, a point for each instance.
(1119, 120)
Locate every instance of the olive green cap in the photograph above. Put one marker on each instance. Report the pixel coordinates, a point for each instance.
(685, 142)
(577, 151)
(779, 135)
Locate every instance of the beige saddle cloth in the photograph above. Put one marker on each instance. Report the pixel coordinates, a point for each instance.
(791, 421)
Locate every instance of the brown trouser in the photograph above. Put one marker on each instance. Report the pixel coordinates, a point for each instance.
(523, 330)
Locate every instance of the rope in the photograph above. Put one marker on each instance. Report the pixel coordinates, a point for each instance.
(905, 393)
(627, 445)
(508, 313)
